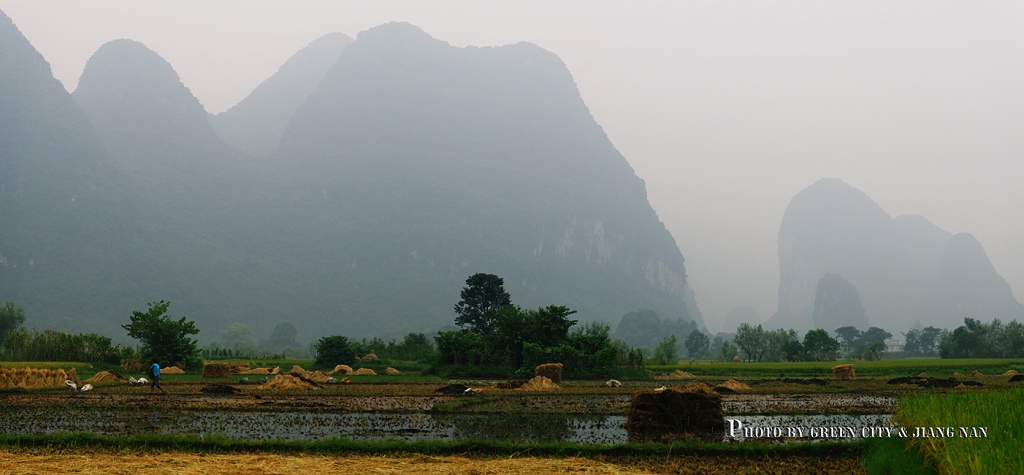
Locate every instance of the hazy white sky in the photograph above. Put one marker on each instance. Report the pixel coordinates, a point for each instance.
(725, 109)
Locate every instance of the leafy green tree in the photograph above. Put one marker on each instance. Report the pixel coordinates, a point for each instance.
(11, 318)
(334, 350)
(697, 344)
(849, 338)
(820, 346)
(872, 343)
(164, 338)
(483, 295)
(727, 351)
(667, 352)
(751, 341)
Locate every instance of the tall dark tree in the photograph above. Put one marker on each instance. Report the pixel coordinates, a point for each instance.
(483, 295)
(697, 344)
(820, 346)
(164, 338)
(12, 316)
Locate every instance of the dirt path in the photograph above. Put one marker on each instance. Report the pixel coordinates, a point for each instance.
(38, 462)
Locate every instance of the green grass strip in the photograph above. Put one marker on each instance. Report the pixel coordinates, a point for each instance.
(338, 446)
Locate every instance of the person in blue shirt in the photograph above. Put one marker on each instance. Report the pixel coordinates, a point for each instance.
(154, 371)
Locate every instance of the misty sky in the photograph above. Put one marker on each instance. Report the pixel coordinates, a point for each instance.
(725, 109)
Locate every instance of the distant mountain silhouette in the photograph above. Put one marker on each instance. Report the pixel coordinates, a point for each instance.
(897, 265)
(65, 208)
(255, 124)
(412, 165)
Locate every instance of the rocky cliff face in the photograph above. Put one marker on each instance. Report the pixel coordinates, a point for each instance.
(896, 264)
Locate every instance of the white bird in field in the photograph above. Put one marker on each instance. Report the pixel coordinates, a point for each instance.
(87, 387)
(71, 384)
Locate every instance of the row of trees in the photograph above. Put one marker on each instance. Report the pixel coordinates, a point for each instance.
(975, 339)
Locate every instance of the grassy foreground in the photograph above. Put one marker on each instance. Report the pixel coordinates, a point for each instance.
(955, 443)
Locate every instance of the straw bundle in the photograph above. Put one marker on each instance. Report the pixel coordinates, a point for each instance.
(539, 383)
(216, 370)
(342, 369)
(734, 385)
(679, 374)
(104, 377)
(364, 372)
(36, 378)
(844, 372)
(392, 371)
(288, 381)
(552, 371)
(172, 370)
(666, 415)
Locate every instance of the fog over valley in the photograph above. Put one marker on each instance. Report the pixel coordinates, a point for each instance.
(346, 166)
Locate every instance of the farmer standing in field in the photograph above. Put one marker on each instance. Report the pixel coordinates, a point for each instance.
(154, 372)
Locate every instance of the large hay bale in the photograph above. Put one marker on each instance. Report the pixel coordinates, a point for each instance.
(216, 370)
(844, 372)
(539, 383)
(172, 370)
(297, 370)
(341, 369)
(552, 371)
(734, 385)
(392, 371)
(36, 378)
(105, 377)
(689, 411)
(288, 381)
(364, 372)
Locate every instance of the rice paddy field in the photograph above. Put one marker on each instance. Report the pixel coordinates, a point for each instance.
(960, 416)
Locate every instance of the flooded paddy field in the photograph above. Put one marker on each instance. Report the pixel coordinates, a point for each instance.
(401, 412)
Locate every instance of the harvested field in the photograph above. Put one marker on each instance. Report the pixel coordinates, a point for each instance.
(215, 464)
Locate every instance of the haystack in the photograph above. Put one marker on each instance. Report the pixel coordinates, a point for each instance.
(539, 383)
(675, 413)
(369, 356)
(276, 370)
(240, 368)
(297, 370)
(172, 370)
(734, 385)
(316, 377)
(288, 381)
(843, 371)
(679, 374)
(104, 377)
(364, 372)
(976, 373)
(1011, 372)
(552, 371)
(958, 374)
(342, 368)
(736, 359)
(216, 370)
(36, 378)
(392, 371)
(258, 371)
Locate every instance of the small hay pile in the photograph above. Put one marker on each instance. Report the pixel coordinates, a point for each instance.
(240, 368)
(364, 372)
(734, 385)
(172, 370)
(552, 371)
(976, 373)
(392, 371)
(36, 378)
(539, 383)
(843, 372)
(671, 414)
(736, 359)
(342, 369)
(105, 377)
(297, 370)
(958, 374)
(1011, 372)
(276, 370)
(288, 381)
(216, 370)
(679, 374)
(316, 377)
(369, 356)
(131, 365)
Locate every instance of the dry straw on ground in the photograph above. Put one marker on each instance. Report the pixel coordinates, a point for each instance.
(734, 385)
(675, 413)
(364, 372)
(216, 370)
(1011, 372)
(36, 378)
(736, 359)
(105, 377)
(976, 373)
(297, 370)
(843, 372)
(341, 369)
(258, 371)
(679, 374)
(172, 370)
(316, 377)
(539, 383)
(392, 371)
(288, 381)
(240, 368)
(552, 371)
